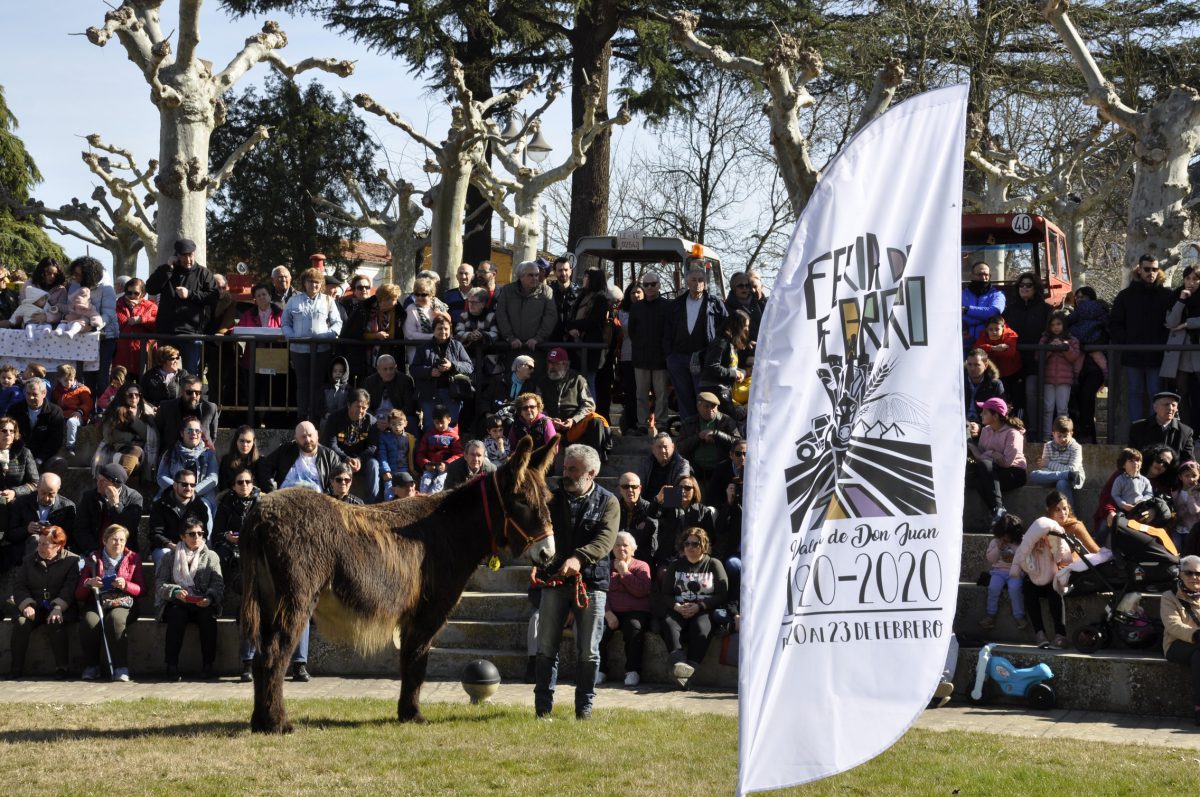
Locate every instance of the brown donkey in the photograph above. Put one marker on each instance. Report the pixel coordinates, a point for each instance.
(369, 570)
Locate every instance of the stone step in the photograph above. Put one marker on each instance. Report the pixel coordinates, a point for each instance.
(1129, 682)
(147, 642)
(495, 634)
(1027, 503)
(493, 606)
(510, 578)
(1081, 611)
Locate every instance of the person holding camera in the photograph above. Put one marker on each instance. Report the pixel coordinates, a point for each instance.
(41, 509)
(677, 508)
(112, 578)
(187, 293)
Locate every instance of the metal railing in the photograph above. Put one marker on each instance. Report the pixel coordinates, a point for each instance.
(229, 383)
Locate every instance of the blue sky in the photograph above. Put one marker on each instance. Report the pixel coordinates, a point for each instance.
(62, 88)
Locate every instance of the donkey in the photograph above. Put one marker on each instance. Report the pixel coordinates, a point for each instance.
(368, 570)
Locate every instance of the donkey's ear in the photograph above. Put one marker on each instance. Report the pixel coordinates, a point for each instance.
(519, 460)
(543, 457)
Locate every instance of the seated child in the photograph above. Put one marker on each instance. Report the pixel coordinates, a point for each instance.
(11, 392)
(36, 371)
(495, 444)
(1006, 537)
(80, 316)
(395, 453)
(337, 386)
(75, 400)
(33, 302)
(1187, 502)
(1000, 343)
(1061, 463)
(438, 448)
(1132, 493)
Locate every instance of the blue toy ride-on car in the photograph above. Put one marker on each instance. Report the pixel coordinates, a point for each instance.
(996, 675)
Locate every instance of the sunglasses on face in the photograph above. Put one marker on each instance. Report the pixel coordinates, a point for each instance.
(342, 480)
(1163, 462)
(1189, 573)
(362, 287)
(193, 534)
(191, 431)
(132, 294)
(189, 485)
(692, 544)
(244, 481)
(631, 486)
(192, 392)
(421, 295)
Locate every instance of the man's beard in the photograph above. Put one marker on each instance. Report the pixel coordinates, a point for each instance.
(574, 486)
(308, 448)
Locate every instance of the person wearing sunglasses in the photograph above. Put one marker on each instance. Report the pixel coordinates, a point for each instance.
(690, 590)
(636, 519)
(525, 310)
(190, 403)
(232, 508)
(742, 296)
(418, 315)
(1138, 316)
(1179, 610)
(194, 451)
(110, 501)
(1027, 313)
(169, 512)
(340, 481)
(189, 588)
(136, 315)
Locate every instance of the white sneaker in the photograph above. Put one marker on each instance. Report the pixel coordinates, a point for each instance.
(632, 679)
(601, 677)
(682, 670)
(121, 674)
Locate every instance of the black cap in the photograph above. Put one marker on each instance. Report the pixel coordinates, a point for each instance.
(403, 477)
(1167, 395)
(330, 280)
(114, 473)
(185, 246)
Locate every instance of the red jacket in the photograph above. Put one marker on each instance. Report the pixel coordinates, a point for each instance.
(129, 568)
(438, 447)
(1008, 362)
(129, 351)
(77, 399)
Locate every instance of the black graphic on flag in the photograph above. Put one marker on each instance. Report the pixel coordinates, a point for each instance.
(857, 460)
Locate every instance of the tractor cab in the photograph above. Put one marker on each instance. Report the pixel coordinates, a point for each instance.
(1016, 243)
(631, 253)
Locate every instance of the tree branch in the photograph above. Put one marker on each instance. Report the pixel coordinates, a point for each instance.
(887, 80)
(189, 29)
(683, 33)
(1102, 95)
(215, 181)
(123, 22)
(368, 104)
(341, 68)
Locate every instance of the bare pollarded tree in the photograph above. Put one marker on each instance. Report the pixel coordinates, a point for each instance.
(397, 227)
(526, 184)
(95, 225)
(188, 96)
(1165, 138)
(785, 74)
(453, 159)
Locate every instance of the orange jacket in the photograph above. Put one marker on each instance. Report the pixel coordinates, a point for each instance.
(73, 400)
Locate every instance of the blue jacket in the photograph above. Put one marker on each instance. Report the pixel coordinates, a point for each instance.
(426, 358)
(310, 318)
(388, 453)
(976, 310)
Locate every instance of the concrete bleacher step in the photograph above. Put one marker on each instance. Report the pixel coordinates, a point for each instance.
(503, 606)
(1081, 611)
(1028, 503)
(1128, 682)
(504, 635)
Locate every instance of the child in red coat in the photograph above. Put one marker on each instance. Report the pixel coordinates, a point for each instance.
(75, 400)
(1000, 342)
(438, 448)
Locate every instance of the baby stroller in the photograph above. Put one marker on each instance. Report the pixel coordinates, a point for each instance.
(1147, 561)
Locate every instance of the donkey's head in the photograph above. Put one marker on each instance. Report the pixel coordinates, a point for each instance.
(522, 485)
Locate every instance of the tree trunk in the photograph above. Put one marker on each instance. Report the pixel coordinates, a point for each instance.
(185, 130)
(1169, 135)
(445, 232)
(477, 233)
(125, 254)
(591, 50)
(527, 237)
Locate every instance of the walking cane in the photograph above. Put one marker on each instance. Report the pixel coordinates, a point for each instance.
(103, 634)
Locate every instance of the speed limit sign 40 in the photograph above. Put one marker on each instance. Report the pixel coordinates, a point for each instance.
(1022, 223)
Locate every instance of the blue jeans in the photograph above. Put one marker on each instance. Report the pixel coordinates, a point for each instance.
(247, 649)
(1061, 479)
(1015, 596)
(589, 628)
(1143, 383)
(679, 368)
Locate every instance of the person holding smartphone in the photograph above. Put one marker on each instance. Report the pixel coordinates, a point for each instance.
(677, 508)
(187, 293)
(189, 588)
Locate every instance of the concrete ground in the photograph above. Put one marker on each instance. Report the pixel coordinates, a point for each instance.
(1087, 726)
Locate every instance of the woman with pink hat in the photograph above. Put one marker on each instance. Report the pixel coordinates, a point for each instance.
(998, 459)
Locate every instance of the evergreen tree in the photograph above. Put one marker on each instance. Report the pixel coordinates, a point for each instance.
(264, 214)
(22, 241)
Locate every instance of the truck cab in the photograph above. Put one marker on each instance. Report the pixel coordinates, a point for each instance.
(632, 253)
(1016, 243)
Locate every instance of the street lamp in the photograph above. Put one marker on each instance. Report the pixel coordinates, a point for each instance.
(538, 149)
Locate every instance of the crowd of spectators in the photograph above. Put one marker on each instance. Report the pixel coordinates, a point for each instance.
(450, 380)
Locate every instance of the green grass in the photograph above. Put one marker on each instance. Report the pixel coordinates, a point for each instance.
(354, 747)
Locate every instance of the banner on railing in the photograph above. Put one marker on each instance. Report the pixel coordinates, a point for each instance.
(854, 497)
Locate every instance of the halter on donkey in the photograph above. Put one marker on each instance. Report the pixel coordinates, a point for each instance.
(404, 563)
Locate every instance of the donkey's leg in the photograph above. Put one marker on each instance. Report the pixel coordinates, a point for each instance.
(279, 639)
(414, 660)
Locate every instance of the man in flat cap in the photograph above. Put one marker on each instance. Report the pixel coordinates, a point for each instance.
(1165, 427)
(187, 293)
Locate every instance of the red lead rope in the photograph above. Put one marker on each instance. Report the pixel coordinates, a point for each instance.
(581, 598)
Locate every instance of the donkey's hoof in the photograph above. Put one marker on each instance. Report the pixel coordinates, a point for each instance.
(416, 718)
